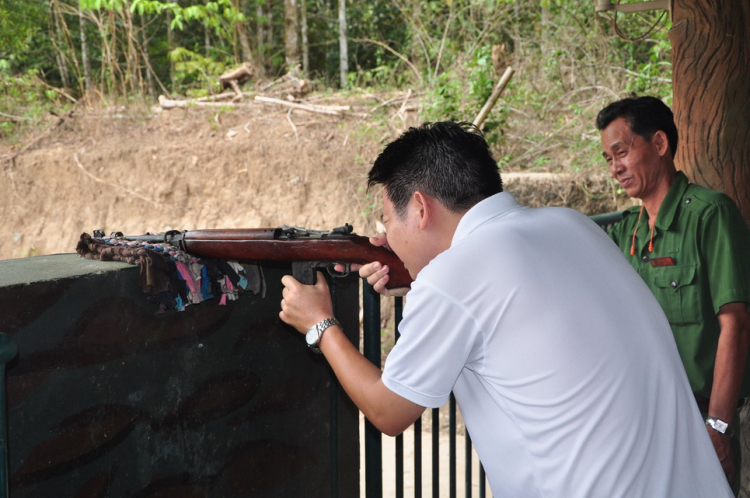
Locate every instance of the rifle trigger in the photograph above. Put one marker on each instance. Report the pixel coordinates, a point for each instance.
(339, 274)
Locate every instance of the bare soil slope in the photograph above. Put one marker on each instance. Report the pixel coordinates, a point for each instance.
(257, 166)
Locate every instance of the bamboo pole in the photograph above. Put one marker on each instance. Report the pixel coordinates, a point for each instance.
(499, 87)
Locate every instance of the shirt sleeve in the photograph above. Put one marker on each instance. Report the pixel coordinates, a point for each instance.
(438, 339)
(726, 241)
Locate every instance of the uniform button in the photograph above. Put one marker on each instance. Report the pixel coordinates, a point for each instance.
(688, 200)
(645, 259)
(673, 284)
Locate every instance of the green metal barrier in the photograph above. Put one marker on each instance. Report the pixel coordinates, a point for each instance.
(8, 351)
(607, 220)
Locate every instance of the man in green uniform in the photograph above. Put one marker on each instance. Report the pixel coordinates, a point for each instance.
(690, 244)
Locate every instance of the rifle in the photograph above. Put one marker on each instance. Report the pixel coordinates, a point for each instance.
(306, 249)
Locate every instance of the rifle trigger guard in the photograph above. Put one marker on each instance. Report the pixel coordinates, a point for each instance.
(332, 272)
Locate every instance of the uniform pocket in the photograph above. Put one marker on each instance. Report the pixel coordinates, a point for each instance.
(676, 288)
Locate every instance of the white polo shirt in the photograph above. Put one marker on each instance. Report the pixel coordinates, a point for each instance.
(560, 358)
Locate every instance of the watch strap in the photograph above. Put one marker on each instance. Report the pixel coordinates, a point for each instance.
(315, 333)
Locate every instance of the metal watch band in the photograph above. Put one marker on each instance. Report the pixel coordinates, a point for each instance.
(719, 426)
(315, 333)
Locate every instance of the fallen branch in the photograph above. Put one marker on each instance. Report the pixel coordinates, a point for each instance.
(330, 110)
(218, 96)
(15, 118)
(479, 120)
(166, 103)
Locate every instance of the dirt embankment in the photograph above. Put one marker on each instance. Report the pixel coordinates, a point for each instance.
(192, 168)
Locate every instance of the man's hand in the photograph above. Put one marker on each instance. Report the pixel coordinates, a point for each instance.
(303, 305)
(377, 274)
(723, 447)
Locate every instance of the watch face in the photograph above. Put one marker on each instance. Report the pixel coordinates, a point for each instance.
(312, 336)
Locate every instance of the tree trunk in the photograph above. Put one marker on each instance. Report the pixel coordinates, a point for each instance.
(247, 54)
(170, 44)
(260, 32)
(343, 51)
(545, 31)
(146, 59)
(207, 38)
(416, 36)
(85, 53)
(710, 74)
(305, 44)
(291, 39)
(59, 43)
(269, 23)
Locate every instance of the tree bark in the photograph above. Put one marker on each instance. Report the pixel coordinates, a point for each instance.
(242, 28)
(305, 44)
(170, 44)
(415, 48)
(146, 59)
(84, 52)
(291, 38)
(343, 50)
(269, 23)
(207, 38)
(59, 43)
(710, 74)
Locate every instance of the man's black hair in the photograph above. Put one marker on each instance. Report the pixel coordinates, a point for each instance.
(646, 116)
(449, 161)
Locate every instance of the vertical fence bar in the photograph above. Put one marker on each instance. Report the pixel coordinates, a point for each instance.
(436, 453)
(467, 460)
(332, 285)
(398, 304)
(371, 350)
(418, 458)
(8, 350)
(400, 466)
(452, 446)
(481, 480)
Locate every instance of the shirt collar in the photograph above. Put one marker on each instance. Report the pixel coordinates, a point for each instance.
(669, 205)
(484, 211)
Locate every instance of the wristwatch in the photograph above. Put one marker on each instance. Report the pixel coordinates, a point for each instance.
(719, 426)
(313, 335)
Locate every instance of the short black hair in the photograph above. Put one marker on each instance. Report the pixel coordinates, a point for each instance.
(645, 115)
(449, 161)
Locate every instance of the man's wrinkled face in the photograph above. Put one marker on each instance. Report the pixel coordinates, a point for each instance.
(633, 160)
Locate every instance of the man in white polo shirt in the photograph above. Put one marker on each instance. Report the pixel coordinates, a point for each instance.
(560, 358)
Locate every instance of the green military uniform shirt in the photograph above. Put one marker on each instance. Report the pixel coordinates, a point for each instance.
(699, 263)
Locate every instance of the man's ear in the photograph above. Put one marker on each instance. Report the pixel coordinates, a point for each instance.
(662, 142)
(424, 208)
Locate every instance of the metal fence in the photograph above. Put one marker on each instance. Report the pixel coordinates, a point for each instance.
(373, 438)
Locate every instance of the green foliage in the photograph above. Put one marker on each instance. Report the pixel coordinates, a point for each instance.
(193, 68)
(569, 62)
(459, 94)
(24, 102)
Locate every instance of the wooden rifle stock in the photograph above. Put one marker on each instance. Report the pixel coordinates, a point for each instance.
(307, 250)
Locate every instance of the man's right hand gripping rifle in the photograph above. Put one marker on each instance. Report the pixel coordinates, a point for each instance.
(376, 274)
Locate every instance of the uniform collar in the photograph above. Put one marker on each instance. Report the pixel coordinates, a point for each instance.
(484, 211)
(668, 207)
